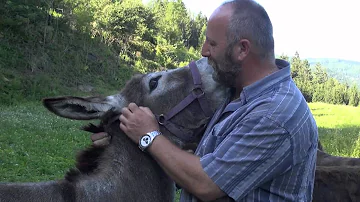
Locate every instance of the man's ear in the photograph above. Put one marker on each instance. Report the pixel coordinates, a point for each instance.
(242, 49)
(81, 108)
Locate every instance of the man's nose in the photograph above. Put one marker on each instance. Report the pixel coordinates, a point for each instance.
(205, 51)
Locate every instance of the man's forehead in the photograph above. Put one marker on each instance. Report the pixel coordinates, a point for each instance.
(218, 24)
(222, 12)
(219, 20)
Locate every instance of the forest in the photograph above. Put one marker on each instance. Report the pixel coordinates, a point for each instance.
(57, 47)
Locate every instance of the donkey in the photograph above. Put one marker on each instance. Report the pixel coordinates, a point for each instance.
(121, 171)
(325, 159)
(337, 184)
(337, 178)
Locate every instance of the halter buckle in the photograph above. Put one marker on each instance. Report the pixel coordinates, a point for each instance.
(198, 92)
(161, 119)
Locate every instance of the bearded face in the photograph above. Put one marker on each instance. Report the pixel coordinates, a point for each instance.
(225, 70)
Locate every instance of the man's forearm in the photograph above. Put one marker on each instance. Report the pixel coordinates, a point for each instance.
(184, 168)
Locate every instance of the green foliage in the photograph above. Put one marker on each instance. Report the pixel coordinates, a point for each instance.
(354, 96)
(343, 70)
(52, 47)
(317, 86)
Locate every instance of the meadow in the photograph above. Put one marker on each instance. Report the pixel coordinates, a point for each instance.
(339, 128)
(36, 145)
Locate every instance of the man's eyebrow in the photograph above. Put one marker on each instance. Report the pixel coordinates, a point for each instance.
(209, 39)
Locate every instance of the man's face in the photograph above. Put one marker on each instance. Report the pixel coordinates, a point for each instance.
(218, 51)
(225, 70)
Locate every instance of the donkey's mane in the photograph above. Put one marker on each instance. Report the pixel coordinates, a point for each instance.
(87, 160)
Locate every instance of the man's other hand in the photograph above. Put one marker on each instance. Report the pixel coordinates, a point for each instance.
(100, 139)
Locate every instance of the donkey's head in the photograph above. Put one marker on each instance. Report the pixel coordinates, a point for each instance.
(161, 92)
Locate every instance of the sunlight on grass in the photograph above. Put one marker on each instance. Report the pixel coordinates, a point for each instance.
(36, 144)
(339, 128)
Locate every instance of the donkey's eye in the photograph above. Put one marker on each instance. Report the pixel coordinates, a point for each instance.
(153, 83)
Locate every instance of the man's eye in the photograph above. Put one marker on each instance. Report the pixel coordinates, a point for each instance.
(153, 83)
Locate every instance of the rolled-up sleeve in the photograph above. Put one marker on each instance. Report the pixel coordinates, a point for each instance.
(255, 150)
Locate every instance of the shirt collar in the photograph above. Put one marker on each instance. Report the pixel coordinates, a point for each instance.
(254, 89)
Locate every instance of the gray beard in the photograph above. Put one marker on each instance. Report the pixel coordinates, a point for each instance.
(227, 75)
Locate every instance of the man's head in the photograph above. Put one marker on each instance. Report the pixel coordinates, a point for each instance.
(238, 31)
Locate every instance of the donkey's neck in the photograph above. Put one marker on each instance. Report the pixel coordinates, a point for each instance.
(125, 172)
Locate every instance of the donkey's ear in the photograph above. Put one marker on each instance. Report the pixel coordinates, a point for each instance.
(80, 108)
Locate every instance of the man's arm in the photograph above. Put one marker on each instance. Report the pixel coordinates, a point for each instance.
(186, 172)
(184, 168)
(253, 152)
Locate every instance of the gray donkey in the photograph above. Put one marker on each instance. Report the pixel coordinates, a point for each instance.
(121, 171)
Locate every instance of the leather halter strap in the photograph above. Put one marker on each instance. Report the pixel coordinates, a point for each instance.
(197, 93)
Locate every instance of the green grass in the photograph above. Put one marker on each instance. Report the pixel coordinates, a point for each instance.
(339, 128)
(36, 145)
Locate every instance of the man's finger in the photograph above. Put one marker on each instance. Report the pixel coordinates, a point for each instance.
(102, 142)
(122, 126)
(133, 107)
(147, 110)
(123, 119)
(98, 136)
(125, 111)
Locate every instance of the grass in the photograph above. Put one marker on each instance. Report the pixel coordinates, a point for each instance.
(339, 128)
(36, 145)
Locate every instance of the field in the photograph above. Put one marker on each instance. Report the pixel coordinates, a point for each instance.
(339, 128)
(37, 145)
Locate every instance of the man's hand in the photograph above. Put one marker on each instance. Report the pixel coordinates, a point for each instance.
(136, 121)
(186, 170)
(100, 139)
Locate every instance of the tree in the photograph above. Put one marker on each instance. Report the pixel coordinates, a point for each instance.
(198, 28)
(173, 21)
(295, 65)
(320, 75)
(284, 57)
(302, 75)
(354, 96)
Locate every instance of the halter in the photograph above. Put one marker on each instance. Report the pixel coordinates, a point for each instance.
(197, 93)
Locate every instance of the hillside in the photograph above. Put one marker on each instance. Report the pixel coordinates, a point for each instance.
(89, 46)
(343, 70)
(45, 54)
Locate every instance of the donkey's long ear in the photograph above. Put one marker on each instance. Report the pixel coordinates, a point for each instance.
(82, 108)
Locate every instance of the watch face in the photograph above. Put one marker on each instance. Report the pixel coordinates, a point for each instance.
(145, 140)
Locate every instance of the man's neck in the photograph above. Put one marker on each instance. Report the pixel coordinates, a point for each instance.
(252, 71)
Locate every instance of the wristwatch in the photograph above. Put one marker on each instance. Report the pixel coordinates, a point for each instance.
(146, 140)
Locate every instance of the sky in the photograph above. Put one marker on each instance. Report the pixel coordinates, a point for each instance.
(314, 28)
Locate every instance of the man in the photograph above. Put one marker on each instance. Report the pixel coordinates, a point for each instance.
(261, 144)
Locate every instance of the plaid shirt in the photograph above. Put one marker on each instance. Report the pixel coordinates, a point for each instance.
(262, 146)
